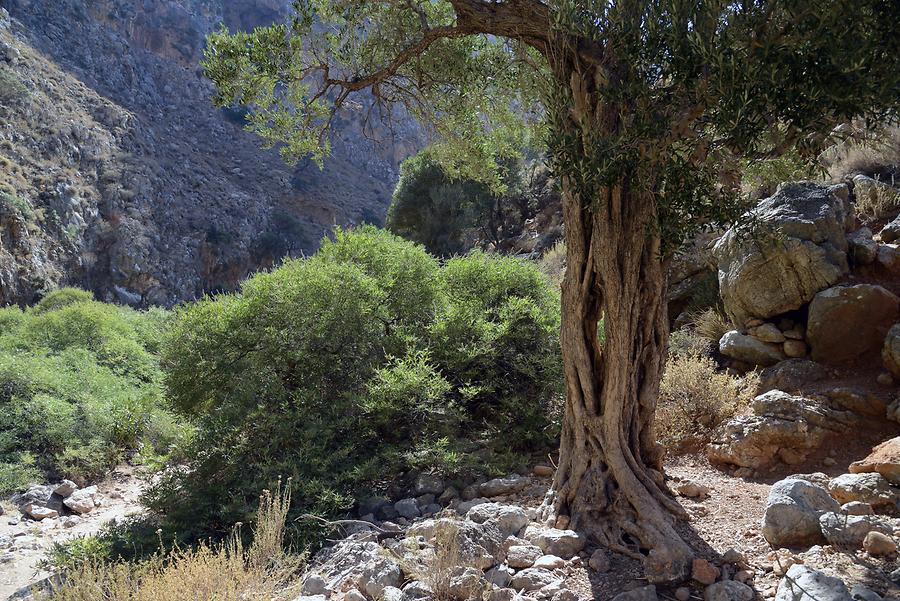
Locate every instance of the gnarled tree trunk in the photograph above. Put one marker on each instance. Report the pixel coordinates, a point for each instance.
(609, 481)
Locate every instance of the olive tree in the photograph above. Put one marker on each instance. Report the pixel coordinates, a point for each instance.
(642, 104)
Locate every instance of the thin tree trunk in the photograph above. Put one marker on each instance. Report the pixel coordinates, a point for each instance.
(609, 480)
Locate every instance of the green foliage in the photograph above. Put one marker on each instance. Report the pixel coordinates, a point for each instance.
(349, 369)
(18, 204)
(80, 386)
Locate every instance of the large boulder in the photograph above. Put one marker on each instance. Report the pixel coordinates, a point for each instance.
(781, 428)
(792, 513)
(806, 584)
(798, 249)
(866, 487)
(479, 545)
(750, 349)
(846, 322)
(791, 375)
(356, 564)
(509, 519)
(884, 459)
(890, 351)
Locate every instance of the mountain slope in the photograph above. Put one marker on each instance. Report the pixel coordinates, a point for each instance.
(117, 173)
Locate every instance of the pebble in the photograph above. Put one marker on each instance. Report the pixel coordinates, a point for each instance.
(683, 593)
(878, 544)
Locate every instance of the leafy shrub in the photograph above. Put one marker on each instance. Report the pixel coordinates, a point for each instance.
(352, 368)
(12, 90)
(17, 204)
(80, 386)
(695, 398)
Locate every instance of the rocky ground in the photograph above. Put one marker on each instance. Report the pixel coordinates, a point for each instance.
(25, 541)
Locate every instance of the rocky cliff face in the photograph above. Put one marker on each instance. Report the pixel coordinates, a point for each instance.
(117, 174)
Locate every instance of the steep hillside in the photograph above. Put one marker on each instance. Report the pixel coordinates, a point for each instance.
(117, 174)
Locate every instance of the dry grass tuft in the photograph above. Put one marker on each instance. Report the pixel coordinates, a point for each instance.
(877, 202)
(870, 154)
(695, 399)
(445, 564)
(710, 324)
(553, 263)
(222, 572)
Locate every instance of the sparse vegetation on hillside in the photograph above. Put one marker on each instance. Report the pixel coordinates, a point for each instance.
(80, 388)
(353, 368)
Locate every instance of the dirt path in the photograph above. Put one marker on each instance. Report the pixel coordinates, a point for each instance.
(20, 565)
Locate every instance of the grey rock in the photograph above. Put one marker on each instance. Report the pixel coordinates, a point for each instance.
(392, 593)
(645, 593)
(532, 579)
(846, 322)
(861, 593)
(418, 590)
(792, 513)
(503, 486)
(314, 585)
(464, 507)
(428, 484)
(890, 351)
(728, 590)
(891, 231)
(806, 584)
(356, 563)
(848, 531)
(565, 595)
(791, 376)
(38, 512)
(310, 598)
(407, 508)
(498, 575)
(799, 249)
(509, 519)
(466, 583)
(750, 350)
(857, 508)
(863, 249)
(552, 541)
(479, 544)
(867, 487)
(65, 488)
(523, 556)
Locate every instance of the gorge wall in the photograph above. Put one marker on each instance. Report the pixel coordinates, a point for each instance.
(118, 175)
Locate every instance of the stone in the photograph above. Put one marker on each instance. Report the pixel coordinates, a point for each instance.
(645, 593)
(599, 561)
(704, 572)
(310, 598)
(503, 486)
(464, 507)
(781, 427)
(509, 519)
(532, 579)
(357, 563)
(861, 247)
(418, 590)
(806, 584)
(860, 593)
(857, 508)
(792, 513)
(887, 257)
(734, 557)
(879, 544)
(857, 400)
(682, 593)
(847, 531)
(549, 562)
(82, 500)
(794, 348)
(884, 459)
(428, 484)
(693, 490)
(503, 594)
(448, 495)
(891, 231)
(562, 543)
(407, 508)
(847, 322)
(498, 576)
(38, 512)
(521, 556)
(767, 332)
(885, 379)
(750, 350)
(465, 583)
(65, 488)
(543, 471)
(798, 249)
(890, 350)
(353, 595)
(728, 590)
(791, 376)
(468, 493)
(868, 487)
(565, 595)
(314, 585)
(479, 544)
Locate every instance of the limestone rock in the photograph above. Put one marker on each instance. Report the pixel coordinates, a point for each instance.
(562, 543)
(857, 508)
(781, 427)
(728, 590)
(360, 564)
(891, 231)
(407, 508)
(794, 348)
(792, 513)
(800, 249)
(503, 486)
(884, 459)
(549, 562)
(479, 544)
(871, 488)
(791, 375)
(879, 544)
(418, 590)
(806, 584)
(645, 593)
(848, 530)
(846, 322)
(428, 484)
(863, 249)
(523, 556)
(890, 351)
(38, 512)
(465, 583)
(532, 579)
(65, 488)
(767, 332)
(509, 519)
(749, 349)
(82, 500)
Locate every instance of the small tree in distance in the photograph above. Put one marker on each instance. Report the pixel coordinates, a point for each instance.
(641, 102)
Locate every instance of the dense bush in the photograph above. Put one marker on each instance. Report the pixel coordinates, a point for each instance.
(80, 385)
(353, 368)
